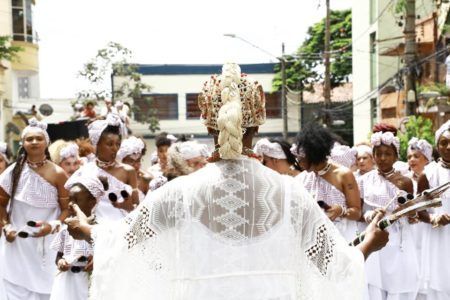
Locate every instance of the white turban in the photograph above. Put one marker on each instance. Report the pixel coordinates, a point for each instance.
(35, 126)
(265, 147)
(89, 179)
(385, 138)
(70, 150)
(423, 146)
(441, 130)
(3, 148)
(363, 149)
(343, 155)
(191, 149)
(130, 146)
(96, 128)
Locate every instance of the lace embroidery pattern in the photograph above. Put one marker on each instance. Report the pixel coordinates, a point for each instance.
(140, 229)
(321, 253)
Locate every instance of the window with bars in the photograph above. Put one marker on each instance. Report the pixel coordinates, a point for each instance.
(163, 106)
(192, 110)
(22, 17)
(273, 105)
(24, 87)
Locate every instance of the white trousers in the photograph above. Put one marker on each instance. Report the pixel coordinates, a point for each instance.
(434, 295)
(16, 292)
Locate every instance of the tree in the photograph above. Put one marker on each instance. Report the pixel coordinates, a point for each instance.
(113, 61)
(7, 51)
(305, 65)
(415, 127)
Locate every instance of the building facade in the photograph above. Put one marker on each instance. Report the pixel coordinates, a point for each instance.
(175, 91)
(377, 31)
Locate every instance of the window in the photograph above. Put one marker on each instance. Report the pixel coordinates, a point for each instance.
(273, 105)
(388, 113)
(22, 15)
(165, 107)
(373, 111)
(24, 87)
(373, 61)
(192, 110)
(373, 11)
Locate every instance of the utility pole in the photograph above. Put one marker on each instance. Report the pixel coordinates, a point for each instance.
(327, 82)
(410, 57)
(283, 93)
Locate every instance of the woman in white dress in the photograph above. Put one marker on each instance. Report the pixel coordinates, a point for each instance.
(276, 154)
(131, 152)
(4, 162)
(393, 272)
(332, 185)
(231, 230)
(122, 195)
(74, 258)
(439, 236)
(65, 154)
(32, 189)
(420, 154)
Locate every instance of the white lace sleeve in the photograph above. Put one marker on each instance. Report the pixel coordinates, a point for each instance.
(135, 241)
(333, 267)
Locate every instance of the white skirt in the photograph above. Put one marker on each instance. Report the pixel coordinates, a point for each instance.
(70, 286)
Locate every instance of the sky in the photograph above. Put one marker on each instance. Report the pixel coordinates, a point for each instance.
(166, 32)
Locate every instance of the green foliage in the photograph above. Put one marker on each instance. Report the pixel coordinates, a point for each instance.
(7, 51)
(441, 88)
(304, 70)
(114, 59)
(415, 127)
(400, 6)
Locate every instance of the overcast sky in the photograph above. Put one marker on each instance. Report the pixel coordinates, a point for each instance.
(166, 32)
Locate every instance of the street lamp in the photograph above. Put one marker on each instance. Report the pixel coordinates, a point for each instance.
(283, 78)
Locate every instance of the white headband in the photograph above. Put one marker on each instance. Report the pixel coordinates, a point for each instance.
(298, 152)
(385, 138)
(364, 149)
(423, 146)
(191, 149)
(130, 146)
(70, 150)
(96, 128)
(265, 147)
(35, 126)
(441, 130)
(343, 155)
(87, 177)
(3, 148)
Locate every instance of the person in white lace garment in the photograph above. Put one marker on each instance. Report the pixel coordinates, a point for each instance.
(31, 189)
(439, 219)
(106, 136)
(392, 273)
(330, 183)
(232, 230)
(364, 160)
(74, 257)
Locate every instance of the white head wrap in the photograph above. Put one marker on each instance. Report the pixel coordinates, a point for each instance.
(192, 149)
(265, 147)
(441, 130)
(130, 146)
(96, 128)
(385, 138)
(70, 150)
(3, 148)
(343, 155)
(89, 179)
(35, 126)
(363, 149)
(157, 182)
(423, 146)
(172, 138)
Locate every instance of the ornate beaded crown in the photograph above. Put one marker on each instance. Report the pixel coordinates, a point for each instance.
(252, 100)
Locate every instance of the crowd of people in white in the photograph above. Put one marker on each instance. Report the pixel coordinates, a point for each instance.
(83, 219)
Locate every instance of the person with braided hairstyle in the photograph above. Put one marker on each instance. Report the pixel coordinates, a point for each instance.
(233, 229)
(31, 189)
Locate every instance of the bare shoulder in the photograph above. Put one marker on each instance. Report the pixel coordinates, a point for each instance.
(403, 182)
(127, 168)
(344, 172)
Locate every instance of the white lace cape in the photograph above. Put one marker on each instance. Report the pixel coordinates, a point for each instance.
(233, 230)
